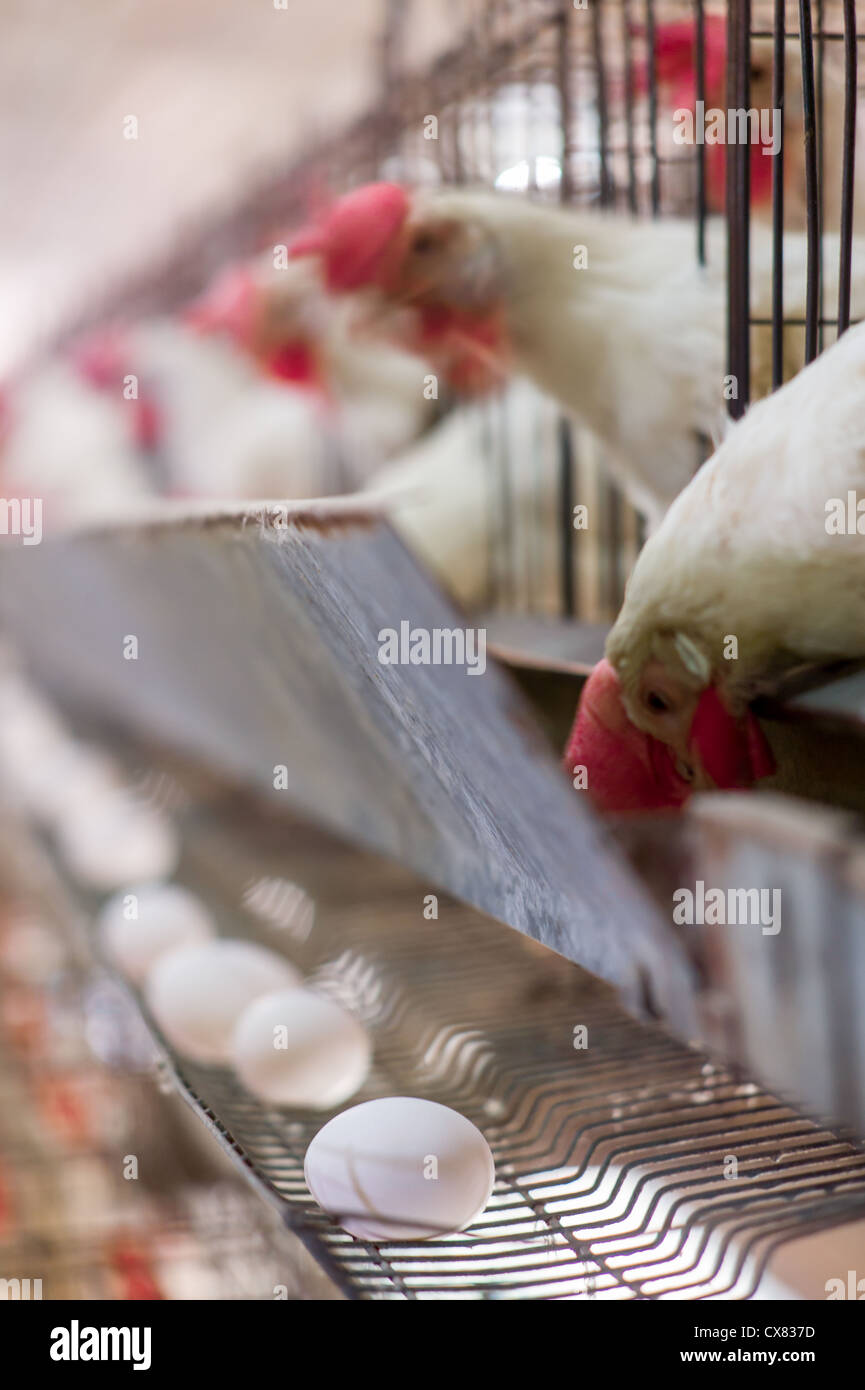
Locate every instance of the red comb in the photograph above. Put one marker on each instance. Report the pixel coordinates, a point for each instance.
(229, 306)
(675, 68)
(626, 770)
(473, 349)
(675, 59)
(675, 50)
(296, 362)
(355, 234)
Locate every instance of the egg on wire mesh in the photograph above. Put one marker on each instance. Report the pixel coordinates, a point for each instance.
(400, 1169)
(299, 1048)
(51, 779)
(197, 993)
(141, 924)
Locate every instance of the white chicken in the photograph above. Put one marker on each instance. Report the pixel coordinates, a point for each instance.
(263, 392)
(370, 398)
(612, 317)
(226, 431)
(69, 446)
(474, 528)
(757, 568)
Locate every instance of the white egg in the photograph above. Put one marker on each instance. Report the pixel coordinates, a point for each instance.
(400, 1169)
(298, 1048)
(112, 839)
(54, 779)
(197, 993)
(141, 924)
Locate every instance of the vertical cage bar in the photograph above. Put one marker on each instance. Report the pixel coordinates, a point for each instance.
(566, 105)
(487, 445)
(566, 193)
(510, 567)
(479, 30)
(615, 536)
(779, 58)
(700, 86)
(566, 518)
(812, 198)
(630, 141)
(738, 208)
(848, 164)
(390, 53)
(653, 107)
(821, 167)
(607, 191)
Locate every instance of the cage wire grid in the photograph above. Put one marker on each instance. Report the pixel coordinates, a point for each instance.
(610, 1176)
(591, 1198)
(809, 31)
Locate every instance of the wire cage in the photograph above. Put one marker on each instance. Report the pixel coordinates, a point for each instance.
(576, 101)
(578, 104)
(804, 58)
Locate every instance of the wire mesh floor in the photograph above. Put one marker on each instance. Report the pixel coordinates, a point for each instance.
(615, 1161)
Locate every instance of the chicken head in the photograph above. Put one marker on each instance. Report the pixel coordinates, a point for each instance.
(685, 740)
(445, 270)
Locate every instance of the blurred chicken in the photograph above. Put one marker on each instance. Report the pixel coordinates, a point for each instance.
(261, 391)
(227, 432)
(467, 521)
(757, 569)
(675, 68)
(70, 446)
(612, 317)
(299, 335)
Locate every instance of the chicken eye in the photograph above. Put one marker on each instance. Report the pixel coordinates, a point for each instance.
(423, 243)
(657, 703)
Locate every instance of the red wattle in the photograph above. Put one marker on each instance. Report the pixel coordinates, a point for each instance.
(473, 348)
(734, 752)
(297, 363)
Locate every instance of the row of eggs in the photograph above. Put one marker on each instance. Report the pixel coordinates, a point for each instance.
(389, 1169)
(397, 1168)
(104, 832)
